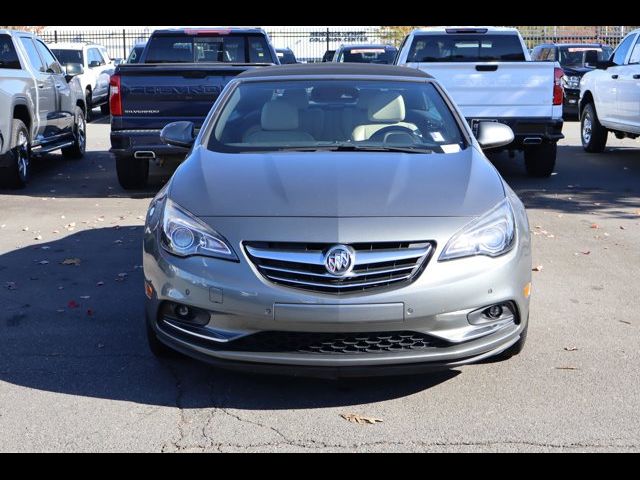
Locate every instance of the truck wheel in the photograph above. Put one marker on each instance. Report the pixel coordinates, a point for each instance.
(132, 172)
(89, 104)
(16, 174)
(79, 137)
(592, 133)
(540, 160)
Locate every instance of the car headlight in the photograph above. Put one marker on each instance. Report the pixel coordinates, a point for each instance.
(492, 234)
(184, 235)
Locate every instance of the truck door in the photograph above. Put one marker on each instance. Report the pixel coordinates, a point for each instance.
(64, 105)
(628, 99)
(609, 83)
(45, 95)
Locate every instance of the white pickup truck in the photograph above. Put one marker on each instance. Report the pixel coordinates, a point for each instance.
(610, 96)
(490, 76)
(42, 106)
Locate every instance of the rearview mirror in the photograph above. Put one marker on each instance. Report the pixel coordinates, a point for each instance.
(73, 69)
(178, 134)
(494, 134)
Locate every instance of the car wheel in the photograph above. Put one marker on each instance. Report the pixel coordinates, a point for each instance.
(79, 137)
(516, 348)
(104, 108)
(540, 160)
(132, 172)
(88, 104)
(158, 348)
(592, 133)
(16, 174)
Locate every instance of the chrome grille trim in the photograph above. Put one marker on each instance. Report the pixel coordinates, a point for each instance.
(376, 265)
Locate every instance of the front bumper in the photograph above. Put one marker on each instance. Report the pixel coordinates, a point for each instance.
(240, 302)
(571, 101)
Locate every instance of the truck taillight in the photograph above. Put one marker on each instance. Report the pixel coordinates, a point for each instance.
(558, 90)
(115, 98)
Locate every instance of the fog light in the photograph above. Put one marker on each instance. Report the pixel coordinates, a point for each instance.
(495, 311)
(183, 310)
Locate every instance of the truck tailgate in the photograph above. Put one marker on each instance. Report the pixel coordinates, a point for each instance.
(496, 89)
(156, 94)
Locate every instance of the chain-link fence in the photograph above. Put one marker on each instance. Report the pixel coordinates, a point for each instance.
(309, 45)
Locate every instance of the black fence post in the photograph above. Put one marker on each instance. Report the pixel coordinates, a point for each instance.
(55, 36)
(124, 44)
(327, 39)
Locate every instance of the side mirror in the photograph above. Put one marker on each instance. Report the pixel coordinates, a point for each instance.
(494, 134)
(94, 63)
(73, 69)
(179, 134)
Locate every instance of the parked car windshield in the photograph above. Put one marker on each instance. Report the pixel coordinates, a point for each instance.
(232, 48)
(134, 56)
(574, 56)
(66, 56)
(367, 55)
(320, 114)
(466, 48)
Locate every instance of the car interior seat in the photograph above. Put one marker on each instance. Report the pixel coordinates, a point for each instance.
(386, 109)
(279, 122)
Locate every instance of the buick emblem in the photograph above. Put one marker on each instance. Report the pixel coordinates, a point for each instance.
(339, 260)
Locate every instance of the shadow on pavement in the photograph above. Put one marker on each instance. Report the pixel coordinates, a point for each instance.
(78, 330)
(608, 182)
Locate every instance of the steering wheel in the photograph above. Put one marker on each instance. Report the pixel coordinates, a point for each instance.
(380, 135)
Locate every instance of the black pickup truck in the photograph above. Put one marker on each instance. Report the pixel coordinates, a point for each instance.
(180, 74)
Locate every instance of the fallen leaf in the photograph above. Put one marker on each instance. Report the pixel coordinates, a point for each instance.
(71, 261)
(99, 284)
(45, 247)
(585, 252)
(10, 285)
(38, 237)
(73, 304)
(90, 312)
(566, 368)
(624, 321)
(85, 297)
(537, 268)
(606, 234)
(359, 419)
(117, 241)
(621, 227)
(101, 345)
(571, 349)
(594, 225)
(43, 262)
(25, 229)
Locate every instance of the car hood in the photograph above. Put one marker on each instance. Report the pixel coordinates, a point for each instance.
(336, 184)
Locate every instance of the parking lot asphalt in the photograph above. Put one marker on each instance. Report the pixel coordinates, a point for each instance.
(76, 374)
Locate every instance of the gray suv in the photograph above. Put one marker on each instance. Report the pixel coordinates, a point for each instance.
(337, 218)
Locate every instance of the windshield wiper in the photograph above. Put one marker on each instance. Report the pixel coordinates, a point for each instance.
(356, 148)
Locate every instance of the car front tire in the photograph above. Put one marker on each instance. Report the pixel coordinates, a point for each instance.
(159, 349)
(540, 160)
(592, 133)
(79, 146)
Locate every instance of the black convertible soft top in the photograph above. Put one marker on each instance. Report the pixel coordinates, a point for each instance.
(330, 68)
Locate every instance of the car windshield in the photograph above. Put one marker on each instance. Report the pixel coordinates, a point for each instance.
(574, 56)
(187, 48)
(367, 55)
(466, 48)
(338, 115)
(66, 56)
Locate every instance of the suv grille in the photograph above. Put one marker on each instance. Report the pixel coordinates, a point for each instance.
(302, 265)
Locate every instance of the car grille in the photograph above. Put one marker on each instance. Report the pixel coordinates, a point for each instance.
(301, 265)
(333, 343)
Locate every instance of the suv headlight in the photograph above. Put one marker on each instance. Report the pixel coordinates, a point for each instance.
(570, 82)
(492, 234)
(184, 235)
